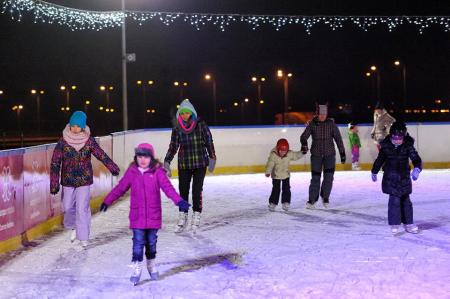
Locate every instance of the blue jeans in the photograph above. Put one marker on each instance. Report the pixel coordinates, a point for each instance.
(144, 238)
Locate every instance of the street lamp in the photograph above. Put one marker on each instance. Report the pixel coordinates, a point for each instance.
(18, 108)
(398, 64)
(181, 85)
(258, 82)
(67, 91)
(374, 69)
(141, 84)
(210, 78)
(38, 94)
(285, 78)
(107, 90)
(1, 92)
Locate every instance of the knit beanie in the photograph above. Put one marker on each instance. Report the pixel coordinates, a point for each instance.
(78, 118)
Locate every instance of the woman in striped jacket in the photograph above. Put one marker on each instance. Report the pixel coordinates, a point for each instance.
(193, 141)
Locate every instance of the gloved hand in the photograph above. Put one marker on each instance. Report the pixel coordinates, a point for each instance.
(54, 190)
(415, 173)
(184, 205)
(167, 168)
(268, 175)
(115, 172)
(212, 164)
(374, 177)
(372, 135)
(103, 207)
(304, 149)
(343, 158)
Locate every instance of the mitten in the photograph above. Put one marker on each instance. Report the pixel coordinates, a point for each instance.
(415, 173)
(212, 164)
(374, 177)
(167, 168)
(183, 205)
(304, 149)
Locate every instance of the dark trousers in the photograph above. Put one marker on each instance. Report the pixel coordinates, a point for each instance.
(184, 180)
(285, 191)
(400, 210)
(144, 238)
(319, 163)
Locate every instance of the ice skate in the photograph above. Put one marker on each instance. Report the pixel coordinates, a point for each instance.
(325, 203)
(355, 166)
(73, 235)
(196, 221)
(271, 207)
(412, 228)
(395, 229)
(285, 206)
(182, 221)
(84, 243)
(310, 206)
(152, 269)
(136, 274)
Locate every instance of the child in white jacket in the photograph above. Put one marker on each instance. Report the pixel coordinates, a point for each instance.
(278, 167)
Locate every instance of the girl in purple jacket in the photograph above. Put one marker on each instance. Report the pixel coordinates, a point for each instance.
(145, 177)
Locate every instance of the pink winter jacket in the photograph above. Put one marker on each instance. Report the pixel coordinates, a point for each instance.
(145, 198)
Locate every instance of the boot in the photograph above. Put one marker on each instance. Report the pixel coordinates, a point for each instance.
(196, 220)
(136, 274)
(182, 221)
(152, 270)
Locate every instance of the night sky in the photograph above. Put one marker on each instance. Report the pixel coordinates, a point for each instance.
(327, 65)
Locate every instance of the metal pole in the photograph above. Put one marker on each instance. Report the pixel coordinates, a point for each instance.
(124, 72)
(38, 100)
(286, 97)
(215, 102)
(259, 104)
(404, 87)
(144, 105)
(378, 86)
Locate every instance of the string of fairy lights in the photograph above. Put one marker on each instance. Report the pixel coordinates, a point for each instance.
(78, 19)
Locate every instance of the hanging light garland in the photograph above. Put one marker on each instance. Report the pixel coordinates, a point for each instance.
(77, 19)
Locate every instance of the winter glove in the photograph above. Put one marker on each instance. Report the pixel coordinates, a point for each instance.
(212, 164)
(115, 172)
(343, 158)
(415, 173)
(183, 205)
(374, 177)
(304, 149)
(372, 135)
(268, 175)
(54, 190)
(103, 207)
(167, 168)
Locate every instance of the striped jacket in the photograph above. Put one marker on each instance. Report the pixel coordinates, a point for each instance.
(76, 165)
(194, 148)
(323, 134)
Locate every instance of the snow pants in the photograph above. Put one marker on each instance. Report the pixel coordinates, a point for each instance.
(326, 164)
(400, 210)
(285, 191)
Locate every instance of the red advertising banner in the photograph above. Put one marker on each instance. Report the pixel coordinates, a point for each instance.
(36, 207)
(54, 201)
(11, 194)
(102, 176)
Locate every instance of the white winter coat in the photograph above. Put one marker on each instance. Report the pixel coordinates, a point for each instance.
(278, 167)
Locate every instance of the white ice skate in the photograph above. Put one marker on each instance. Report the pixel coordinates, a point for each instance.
(182, 221)
(355, 166)
(285, 206)
(84, 243)
(326, 205)
(73, 235)
(136, 274)
(310, 206)
(196, 221)
(152, 270)
(272, 207)
(412, 228)
(395, 229)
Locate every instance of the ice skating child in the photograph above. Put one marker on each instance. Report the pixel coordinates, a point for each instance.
(355, 144)
(193, 141)
(145, 176)
(278, 167)
(396, 150)
(74, 151)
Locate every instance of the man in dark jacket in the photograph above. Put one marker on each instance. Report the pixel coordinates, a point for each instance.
(323, 155)
(396, 150)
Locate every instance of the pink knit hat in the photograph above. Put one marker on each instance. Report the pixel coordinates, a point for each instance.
(145, 149)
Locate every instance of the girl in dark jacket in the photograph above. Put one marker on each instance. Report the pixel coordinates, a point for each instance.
(396, 150)
(192, 139)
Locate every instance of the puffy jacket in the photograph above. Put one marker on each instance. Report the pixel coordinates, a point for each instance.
(145, 197)
(278, 167)
(381, 125)
(395, 163)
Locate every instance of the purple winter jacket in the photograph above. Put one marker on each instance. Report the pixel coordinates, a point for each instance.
(145, 198)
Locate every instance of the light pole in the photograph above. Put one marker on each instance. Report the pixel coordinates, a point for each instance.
(86, 105)
(397, 63)
(374, 69)
(18, 108)
(38, 94)
(143, 85)
(181, 85)
(107, 89)
(67, 92)
(258, 82)
(124, 71)
(208, 77)
(285, 77)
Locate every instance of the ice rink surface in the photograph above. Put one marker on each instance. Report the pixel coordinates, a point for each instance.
(244, 251)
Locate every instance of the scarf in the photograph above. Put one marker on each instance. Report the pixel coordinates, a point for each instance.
(187, 127)
(77, 141)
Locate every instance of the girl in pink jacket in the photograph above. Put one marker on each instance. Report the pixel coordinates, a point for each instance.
(145, 177)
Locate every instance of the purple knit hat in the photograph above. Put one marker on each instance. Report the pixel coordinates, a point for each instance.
(145, 149)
